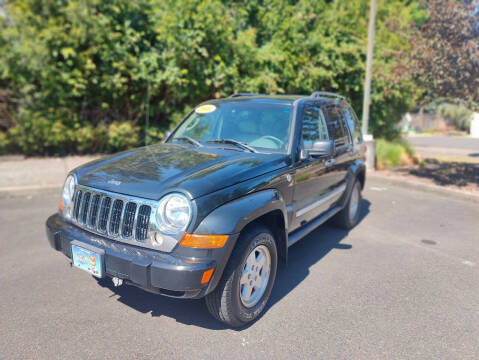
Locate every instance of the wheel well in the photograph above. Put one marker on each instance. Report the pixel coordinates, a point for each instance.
(362, 178)
(274, 221)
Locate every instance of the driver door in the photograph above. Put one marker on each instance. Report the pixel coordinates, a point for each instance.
(313, 177)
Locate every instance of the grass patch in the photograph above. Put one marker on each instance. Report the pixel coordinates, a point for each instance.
(390, 154)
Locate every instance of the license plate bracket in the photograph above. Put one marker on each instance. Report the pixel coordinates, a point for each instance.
(88, 258)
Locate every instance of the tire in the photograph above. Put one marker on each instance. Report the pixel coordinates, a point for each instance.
(347, 218)
(229, 302)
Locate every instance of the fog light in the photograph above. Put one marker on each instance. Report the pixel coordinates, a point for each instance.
(157, 239)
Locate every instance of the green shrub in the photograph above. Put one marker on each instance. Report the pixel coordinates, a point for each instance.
(75, 67)
(4, 143)
(38, 135)
(122, 135)
(89, 139)
(390, 154)
(153, 135)
(460, 115)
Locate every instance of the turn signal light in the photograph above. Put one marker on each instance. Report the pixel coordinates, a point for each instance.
(207, 276)
(60, 206)
(203, 241)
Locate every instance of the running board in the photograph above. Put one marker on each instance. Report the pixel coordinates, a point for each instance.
(306, 229)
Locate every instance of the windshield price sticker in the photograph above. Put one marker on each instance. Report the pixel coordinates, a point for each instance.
(205, 109)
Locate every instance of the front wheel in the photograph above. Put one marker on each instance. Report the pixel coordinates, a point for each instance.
(348, 217)
(248, 279)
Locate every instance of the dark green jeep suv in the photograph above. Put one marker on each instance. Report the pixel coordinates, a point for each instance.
(211, 211)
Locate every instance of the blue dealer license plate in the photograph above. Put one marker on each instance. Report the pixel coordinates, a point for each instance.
(87, 260)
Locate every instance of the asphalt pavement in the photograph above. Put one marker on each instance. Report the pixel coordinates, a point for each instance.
(446, 147)
(403, 284)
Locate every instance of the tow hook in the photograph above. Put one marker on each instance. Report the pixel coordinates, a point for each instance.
(117, 282)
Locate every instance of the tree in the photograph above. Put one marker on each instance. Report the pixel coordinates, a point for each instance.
(77, 71)
(444, 56)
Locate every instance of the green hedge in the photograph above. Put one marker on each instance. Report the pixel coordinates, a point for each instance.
(391, 154)
(43, 137)
(90, 75)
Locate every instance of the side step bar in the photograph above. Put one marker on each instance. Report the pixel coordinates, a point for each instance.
(306, 229)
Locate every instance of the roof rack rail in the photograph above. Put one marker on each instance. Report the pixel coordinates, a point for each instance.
(317, 94)
(244, 94)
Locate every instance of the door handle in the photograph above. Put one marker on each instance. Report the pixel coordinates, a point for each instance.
(330, 162)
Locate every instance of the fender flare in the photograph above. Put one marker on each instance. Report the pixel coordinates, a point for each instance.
(357, 169)
(233, 216)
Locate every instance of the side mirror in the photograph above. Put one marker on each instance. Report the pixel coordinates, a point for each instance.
(319, 148)
(167, 135)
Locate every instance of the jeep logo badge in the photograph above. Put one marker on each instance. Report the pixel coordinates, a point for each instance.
(114, 182)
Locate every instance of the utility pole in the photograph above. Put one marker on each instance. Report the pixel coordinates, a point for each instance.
(369, 63)
(370, 154)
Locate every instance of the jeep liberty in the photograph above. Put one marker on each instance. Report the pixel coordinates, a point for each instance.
(212, 210)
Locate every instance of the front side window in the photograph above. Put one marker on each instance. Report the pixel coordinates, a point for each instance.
(314, 126)
(261, 125)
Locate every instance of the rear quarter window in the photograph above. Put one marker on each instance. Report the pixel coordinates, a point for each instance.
(337, 127)
(353, 124)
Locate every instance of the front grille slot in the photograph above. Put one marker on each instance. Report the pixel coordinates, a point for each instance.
(95, 202)
(76, 209)
(142, 222)
(84, 207)
(114, 216)
(128, 219)
(104, 213)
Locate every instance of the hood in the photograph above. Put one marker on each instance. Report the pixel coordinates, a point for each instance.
(152, 171)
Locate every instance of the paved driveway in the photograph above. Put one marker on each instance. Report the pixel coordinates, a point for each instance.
(403, 284)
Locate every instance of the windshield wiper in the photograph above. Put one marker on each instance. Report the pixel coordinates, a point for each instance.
(188, 139)
(233, 142)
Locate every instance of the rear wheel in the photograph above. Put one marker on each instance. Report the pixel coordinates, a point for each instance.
(248, 279)
(348, 217)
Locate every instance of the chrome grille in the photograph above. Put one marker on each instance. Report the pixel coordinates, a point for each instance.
(112, 215)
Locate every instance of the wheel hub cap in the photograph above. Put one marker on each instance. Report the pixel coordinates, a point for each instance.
(255, 276)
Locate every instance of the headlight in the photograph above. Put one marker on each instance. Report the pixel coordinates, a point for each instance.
(67, 196)
(173, 214)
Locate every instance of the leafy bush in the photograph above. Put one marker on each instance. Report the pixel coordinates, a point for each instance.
(122, 136)
(4, 143)
(89, 139)
(79, 71)
(153, 135)
(460, 115)
(390, 154)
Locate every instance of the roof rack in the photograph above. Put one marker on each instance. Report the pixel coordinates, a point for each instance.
(244, 94)
(318, 94)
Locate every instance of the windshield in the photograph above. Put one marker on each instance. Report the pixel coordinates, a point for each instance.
(260, 125)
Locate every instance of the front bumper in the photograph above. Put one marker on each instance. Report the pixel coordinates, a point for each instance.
(166, 274)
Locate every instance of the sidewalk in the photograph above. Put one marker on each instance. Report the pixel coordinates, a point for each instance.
(18, 173)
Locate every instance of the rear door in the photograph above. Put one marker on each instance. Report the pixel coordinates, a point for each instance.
(343, 147)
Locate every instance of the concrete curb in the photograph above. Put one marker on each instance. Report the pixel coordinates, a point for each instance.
(416, 185)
